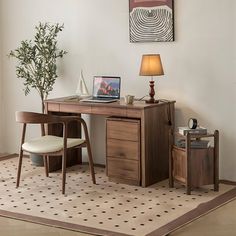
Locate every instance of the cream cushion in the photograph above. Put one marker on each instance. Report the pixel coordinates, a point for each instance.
(49, 143)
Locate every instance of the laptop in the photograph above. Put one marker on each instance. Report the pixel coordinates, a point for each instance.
(105, 89)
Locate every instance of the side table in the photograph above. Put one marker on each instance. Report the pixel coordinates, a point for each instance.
(194, 167)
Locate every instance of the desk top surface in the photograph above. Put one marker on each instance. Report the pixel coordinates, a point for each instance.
(72, 100)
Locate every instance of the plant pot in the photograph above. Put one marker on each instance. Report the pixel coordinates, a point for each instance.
(37, 160)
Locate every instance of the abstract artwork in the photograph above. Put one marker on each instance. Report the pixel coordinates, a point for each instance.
(151, 20)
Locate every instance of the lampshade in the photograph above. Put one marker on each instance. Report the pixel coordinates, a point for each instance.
(151, 65)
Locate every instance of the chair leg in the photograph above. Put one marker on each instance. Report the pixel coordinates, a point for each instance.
(63, 172)
(91, 163)
(19, 168)
(45, 162)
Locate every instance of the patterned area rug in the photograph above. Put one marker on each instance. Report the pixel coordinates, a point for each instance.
(106, 208)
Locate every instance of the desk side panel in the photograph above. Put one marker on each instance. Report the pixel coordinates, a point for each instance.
(155, 143)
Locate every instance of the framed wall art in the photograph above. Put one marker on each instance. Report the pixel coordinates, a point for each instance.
(151, 20)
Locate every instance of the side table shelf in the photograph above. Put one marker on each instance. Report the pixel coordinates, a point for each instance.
(194, 167)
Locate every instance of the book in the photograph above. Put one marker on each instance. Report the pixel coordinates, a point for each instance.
(198, 130)
(194, 143)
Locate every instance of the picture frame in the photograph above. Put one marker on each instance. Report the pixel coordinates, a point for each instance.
(151, 20)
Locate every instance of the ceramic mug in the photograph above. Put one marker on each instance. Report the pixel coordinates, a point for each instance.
(129, 99)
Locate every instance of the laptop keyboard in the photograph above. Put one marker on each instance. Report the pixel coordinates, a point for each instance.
(98, 98)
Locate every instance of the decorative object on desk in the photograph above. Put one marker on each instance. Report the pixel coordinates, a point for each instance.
(37, 60)
(198, 130)
(192, 123)
(37, 64)
(151, 66)
(129, 99)
(82, 90)
(151, 20)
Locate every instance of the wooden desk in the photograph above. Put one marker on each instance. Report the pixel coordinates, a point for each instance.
(154, 130)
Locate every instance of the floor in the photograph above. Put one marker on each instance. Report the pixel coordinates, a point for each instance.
(105, 206)
(220, 222)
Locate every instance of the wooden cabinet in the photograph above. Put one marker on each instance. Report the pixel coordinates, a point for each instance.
(194, 167)
(123, 150)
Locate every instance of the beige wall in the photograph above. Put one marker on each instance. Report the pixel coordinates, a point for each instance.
(199, 65)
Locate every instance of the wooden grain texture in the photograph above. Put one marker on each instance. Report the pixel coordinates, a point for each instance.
(123, 149)
(121, 168)
(53, 107)
(134, 113)
(27, 118)
(195, 167)
(155, 122)
(112, 111)
(74, 156)
(123, 129)
(201, 168)
(155, 127)
(179, 166)
(216, 160)
(74, 108)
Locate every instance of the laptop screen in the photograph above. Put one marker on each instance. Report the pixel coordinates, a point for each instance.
(106, 86)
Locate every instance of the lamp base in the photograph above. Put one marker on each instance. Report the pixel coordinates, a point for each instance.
(151, 93)
(152, 101)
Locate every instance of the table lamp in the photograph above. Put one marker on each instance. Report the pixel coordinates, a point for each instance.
(151, 66)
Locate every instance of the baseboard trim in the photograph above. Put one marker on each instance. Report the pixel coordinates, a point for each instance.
(8, 156)
(229, 182)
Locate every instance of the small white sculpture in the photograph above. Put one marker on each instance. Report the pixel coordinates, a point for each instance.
(82, 90)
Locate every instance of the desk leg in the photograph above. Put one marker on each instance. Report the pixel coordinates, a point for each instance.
(171, 180)
(216, 160)
(188, 157)
(74, 156)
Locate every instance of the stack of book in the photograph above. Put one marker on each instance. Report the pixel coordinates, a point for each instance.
(198, 130)
(194, 143)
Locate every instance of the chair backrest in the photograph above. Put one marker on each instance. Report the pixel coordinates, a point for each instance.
(35, 118)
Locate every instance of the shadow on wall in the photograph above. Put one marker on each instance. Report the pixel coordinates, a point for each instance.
(182, 116)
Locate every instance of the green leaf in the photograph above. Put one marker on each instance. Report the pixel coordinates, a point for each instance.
(37, 59)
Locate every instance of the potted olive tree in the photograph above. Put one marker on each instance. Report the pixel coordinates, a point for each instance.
(37, 60)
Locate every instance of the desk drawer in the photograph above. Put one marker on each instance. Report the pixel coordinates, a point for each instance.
(134, 113)
(123, 149)
(53, 107)
(125, 169)
(123, 129)
(109, 111)
(75, 108)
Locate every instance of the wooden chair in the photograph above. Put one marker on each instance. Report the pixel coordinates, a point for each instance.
(49, 145)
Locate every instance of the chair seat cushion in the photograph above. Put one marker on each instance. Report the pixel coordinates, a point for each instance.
(49, 144)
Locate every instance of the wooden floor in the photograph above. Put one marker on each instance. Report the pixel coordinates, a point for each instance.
(217, 223)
